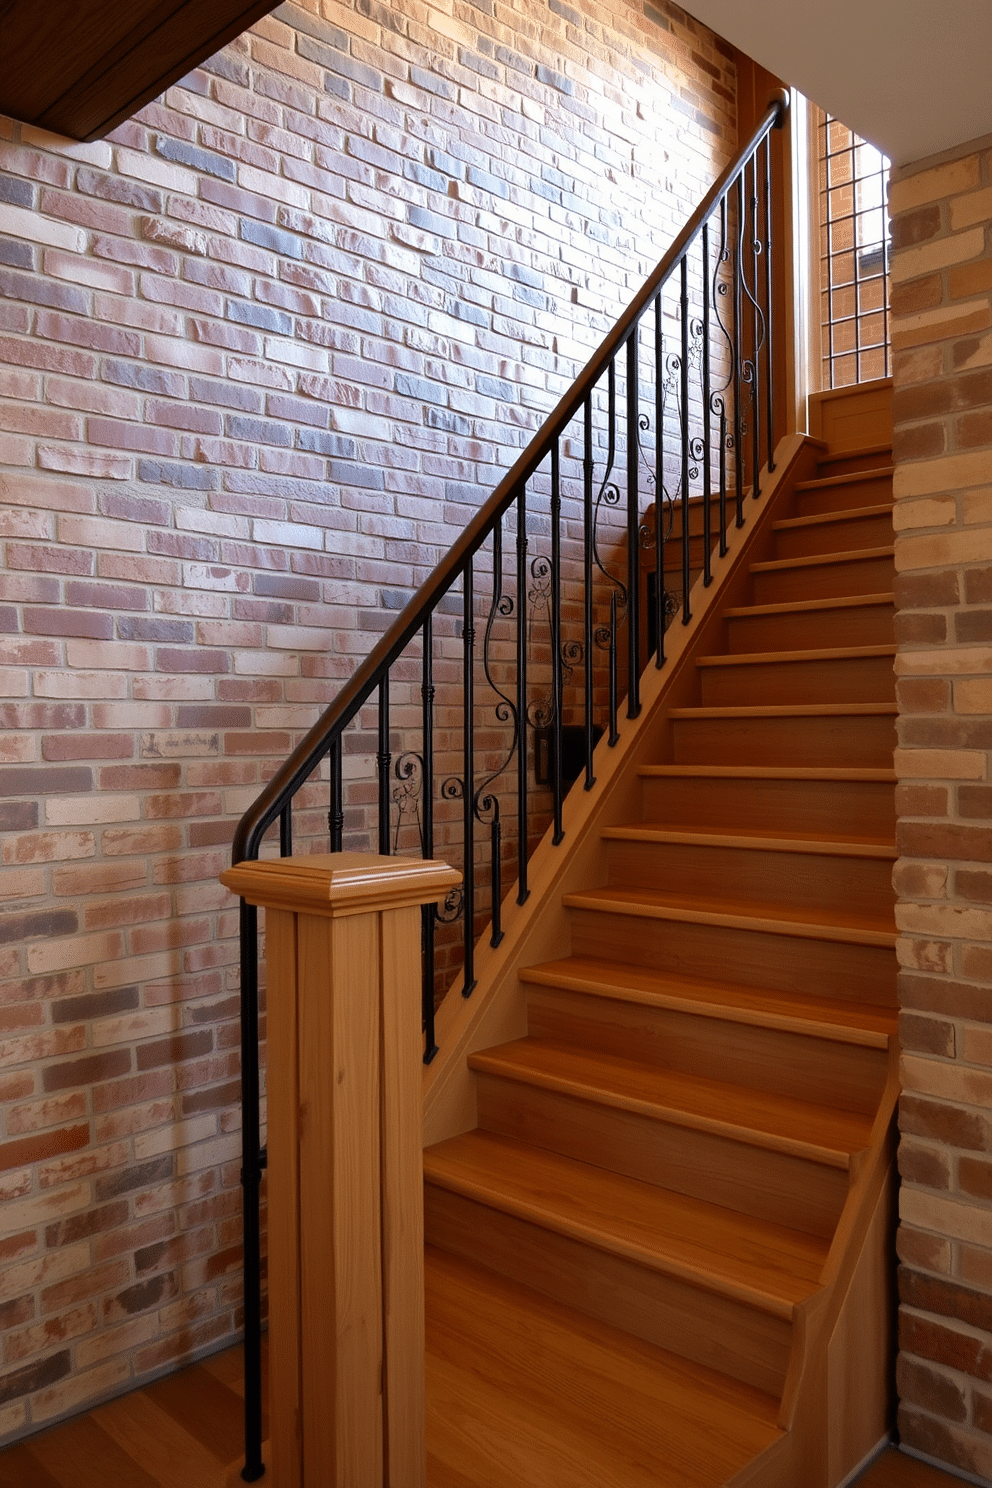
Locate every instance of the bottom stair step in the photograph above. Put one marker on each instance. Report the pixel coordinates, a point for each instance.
(523, 1391)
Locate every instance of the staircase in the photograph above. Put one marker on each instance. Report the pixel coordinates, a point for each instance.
(660, 1258)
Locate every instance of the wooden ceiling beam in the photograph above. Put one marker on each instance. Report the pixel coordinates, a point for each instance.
(81, 67)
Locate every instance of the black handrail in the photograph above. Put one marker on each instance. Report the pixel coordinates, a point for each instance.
(714, 390)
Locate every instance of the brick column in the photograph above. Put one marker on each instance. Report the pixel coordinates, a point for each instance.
(942, 344)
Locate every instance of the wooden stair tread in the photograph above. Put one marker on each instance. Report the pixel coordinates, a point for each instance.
(522, 1390)
(775, 919)
(768, 772)
(808, 653)
(823, 519)
(793, 1011)
(788, 710)
(754, 1261)
(800, 606)
(808, 560)
(752, 1117)
(850, 477)
(850, 847)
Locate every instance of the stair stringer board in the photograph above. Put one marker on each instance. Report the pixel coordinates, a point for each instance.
(837, 1400)
(539, 930)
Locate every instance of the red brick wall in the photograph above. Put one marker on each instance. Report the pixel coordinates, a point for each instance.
(942, 343)
(264, 350)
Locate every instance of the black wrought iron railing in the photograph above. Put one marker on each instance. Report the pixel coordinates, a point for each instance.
(462, 731)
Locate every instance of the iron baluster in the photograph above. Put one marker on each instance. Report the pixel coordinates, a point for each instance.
(769, 345)
(684, 440)
(659, 486)
(486, 799)
(468, 774)
(720, 290)
(522, 826)
(587, 594)
(251, 1179)
(557, 688)
(633, 535)
(614, 731)
(757, 338)
(738, 351)
(383, 761)
(286, 831)
(428, 912)
(335, 815)
(707, 448)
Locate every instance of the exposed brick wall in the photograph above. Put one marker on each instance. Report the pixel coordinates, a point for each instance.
(942, 341)
(263, 350)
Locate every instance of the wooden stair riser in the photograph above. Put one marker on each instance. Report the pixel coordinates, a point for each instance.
(795, 630)
(672, 525)
(872, 529)
(854, 462)
(673, 553)
(847, 807)
(812, 679)
(785, 1189)
(719, 1332)
(841, 970)
(813, 499)
(827, 1071)
(831, 579)
(859, 740)
(829, 881)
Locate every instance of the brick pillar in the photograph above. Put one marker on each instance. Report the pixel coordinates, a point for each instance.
(942, 345)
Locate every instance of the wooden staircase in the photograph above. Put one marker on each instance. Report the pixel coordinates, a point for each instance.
(675, 1201)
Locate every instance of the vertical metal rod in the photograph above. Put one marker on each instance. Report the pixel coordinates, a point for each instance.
(495, 827)
(428, 912)
(633, 534)
(707, 455)
(755, 335)
(684, 439)
(659, 485)
(557, 687)
(738, 352)
(286, 831)
(769, 322)
(587, 580)
(468, 774)
(522, 855)
(885, 275)
(383, 761)
(335, 815)
(614, 731)
(723, 405)
(251, 1176)
(854, 257)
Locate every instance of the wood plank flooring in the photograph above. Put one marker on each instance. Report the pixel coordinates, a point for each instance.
(184, 1431)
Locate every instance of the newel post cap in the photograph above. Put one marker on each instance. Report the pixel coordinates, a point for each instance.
(345, 883)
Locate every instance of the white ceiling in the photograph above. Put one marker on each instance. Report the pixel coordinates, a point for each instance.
(912, 76)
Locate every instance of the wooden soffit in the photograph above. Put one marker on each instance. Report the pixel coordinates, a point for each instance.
(80, 67)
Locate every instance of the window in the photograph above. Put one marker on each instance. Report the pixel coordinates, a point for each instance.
(854, 257)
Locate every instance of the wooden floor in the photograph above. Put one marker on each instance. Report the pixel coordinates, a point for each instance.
(184, 1431)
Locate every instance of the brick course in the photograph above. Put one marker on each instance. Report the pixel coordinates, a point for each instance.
(942, 269)
(265, 350)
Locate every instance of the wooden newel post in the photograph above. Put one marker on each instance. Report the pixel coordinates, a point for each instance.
(345, 1205)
